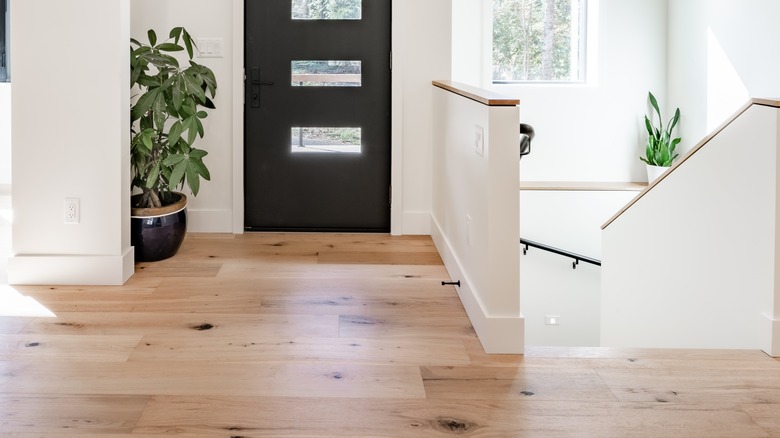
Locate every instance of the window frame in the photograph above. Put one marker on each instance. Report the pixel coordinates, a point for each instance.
(588, 29)
(5, 58)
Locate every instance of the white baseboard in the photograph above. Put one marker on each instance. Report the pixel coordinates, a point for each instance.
(417, 223)
(71, 269)
(498, 335)
(209, 221)
(773, 327)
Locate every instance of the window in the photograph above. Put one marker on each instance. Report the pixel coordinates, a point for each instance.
(5, 72)
(326, 9)
(539, 41)
(326, 73)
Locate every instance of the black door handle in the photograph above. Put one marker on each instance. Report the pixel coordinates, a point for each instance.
(256, 83)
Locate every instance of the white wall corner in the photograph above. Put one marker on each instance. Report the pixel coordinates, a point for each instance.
(498, 335)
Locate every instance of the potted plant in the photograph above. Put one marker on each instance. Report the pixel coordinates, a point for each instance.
(660, 147)
(166, 120)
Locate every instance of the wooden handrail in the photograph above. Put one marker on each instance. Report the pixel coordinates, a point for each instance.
(582, 186)
(775, 103)
(480, 95)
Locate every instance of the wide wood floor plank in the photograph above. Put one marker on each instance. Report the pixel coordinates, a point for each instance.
(379, 257)
(423, 326)
(275, 417)
(81, 415)
(259, 349)
(187, 324)
(112, 348)
(504, 383)
(203, 378)
(674, 385)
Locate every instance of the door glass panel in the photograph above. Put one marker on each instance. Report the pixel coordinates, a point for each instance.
(330, 10)
(326, 140)
(326, 74)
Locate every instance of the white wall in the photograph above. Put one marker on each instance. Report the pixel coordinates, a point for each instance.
(721, 52)
(70, 140)
(549, 286)
(693, 263)
(5, 135)
(589, 132)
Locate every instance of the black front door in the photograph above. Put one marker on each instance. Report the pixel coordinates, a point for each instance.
(317, 115)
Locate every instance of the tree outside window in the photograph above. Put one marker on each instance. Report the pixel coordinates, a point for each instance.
(539, 40)
(5, 75)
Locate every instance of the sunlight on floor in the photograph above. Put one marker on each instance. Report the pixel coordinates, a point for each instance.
(12, 303)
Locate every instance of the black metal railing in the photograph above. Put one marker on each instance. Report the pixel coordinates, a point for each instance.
(577, 257)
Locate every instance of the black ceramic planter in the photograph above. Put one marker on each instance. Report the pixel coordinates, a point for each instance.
(157, 233)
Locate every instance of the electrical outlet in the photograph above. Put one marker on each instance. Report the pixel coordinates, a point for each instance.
(552, 320)
(479, 140)
(72, 211)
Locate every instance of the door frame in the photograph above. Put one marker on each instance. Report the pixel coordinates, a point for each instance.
(396, 125)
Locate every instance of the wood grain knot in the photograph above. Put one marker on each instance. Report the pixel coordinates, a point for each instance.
(70, 324)
(454, 425)
(32, 344)
(202, 327)
(527, 393)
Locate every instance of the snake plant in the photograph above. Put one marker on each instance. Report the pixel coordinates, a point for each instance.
(659, 150)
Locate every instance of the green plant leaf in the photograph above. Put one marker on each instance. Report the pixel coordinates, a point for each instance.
(198, 153)
(173, 160)
(175, 33)
(170, 47)
(152, 37)
(154, 173)
(193, 179)
(177, 174)
(174, 135)
(187, 42)
(144, 104)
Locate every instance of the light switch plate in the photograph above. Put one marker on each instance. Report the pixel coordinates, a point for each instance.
(209, 47)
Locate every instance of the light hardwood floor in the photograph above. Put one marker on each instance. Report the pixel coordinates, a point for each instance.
(314, 335)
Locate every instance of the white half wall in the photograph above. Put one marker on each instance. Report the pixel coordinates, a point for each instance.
(70, 116)
(475, 220)
(693, 263)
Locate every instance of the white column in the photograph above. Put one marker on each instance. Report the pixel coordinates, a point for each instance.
(70, 139)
